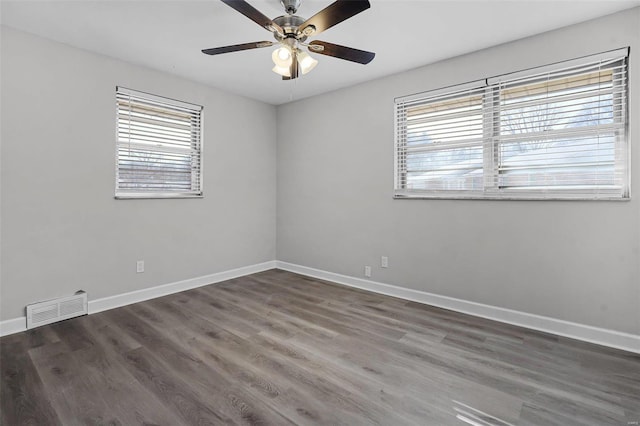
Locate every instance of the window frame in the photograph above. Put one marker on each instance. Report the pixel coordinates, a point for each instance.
(491, 139)
(169, 104)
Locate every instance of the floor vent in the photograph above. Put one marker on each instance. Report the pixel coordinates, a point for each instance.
(56, 310)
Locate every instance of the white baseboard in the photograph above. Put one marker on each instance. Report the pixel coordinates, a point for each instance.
(124, 299)
(587, 333)
(600, 336)
(16, 325)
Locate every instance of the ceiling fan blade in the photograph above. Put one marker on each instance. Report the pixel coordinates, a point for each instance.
(237, 47)
(341, 52)
(254, 14)
(332, 15)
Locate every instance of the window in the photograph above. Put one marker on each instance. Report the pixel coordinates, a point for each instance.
(159, 148)
(558, 132)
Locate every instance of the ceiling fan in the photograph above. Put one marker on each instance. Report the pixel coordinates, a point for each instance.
(291, 32)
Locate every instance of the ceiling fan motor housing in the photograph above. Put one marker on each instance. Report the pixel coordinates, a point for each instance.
(289, 25)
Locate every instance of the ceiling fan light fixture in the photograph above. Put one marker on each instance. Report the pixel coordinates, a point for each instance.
(282, 57)
(306, 62)
(283, 71)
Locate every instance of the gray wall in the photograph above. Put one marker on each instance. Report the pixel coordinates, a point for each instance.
(62, 230)
(576, 261)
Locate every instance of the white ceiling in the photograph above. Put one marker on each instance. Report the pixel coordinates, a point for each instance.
(168, 35)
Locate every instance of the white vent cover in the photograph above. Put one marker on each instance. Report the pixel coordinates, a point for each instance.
(55, 310)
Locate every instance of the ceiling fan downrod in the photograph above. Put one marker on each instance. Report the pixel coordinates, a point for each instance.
(290, 6)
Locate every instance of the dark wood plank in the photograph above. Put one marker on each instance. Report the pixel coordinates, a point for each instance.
(24, 400)
(173, 372)
(62, 376)
(297, 394)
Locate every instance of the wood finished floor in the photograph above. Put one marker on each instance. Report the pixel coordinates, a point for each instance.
(278, 348)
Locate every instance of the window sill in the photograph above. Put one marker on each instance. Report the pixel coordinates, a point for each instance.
(509, 197)
(155, 196)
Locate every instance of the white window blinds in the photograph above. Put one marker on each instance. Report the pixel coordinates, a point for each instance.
(159, 148)
(439, 143)
(557, 132)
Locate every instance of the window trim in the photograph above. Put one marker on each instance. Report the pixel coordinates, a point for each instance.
(490, 84)
(132, 195)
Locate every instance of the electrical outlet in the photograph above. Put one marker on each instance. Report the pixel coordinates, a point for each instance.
(384, 262)
(367, 271)
(140, 266)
